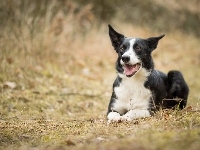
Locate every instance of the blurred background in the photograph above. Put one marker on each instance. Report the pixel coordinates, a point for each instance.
(62, 47)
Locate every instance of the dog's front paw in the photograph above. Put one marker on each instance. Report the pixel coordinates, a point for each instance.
(126, 117)
(113, 117)
(135, 114)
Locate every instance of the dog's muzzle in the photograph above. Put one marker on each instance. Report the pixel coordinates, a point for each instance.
(130, 70)
(125, 59)
(129, 67)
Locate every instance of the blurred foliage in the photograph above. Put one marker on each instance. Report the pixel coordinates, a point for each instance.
(157, 15)
(165, 17)
(29, 23)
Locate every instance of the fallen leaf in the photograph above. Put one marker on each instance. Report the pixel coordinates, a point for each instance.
(100, 139)
(69, 142)
(10, 85)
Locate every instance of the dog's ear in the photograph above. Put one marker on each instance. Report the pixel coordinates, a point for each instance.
(153, 42)
(115, 37)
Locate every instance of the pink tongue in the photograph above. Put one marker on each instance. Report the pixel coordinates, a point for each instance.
(130, 69)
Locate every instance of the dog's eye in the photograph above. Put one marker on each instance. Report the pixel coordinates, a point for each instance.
(138, 47)
(122, 48)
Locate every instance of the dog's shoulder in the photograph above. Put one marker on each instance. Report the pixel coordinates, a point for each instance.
(156, 79)
(157, 82)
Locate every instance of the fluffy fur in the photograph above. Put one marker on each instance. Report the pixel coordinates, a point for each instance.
(139, 90)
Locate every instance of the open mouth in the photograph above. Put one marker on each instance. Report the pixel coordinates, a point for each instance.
(130, 69)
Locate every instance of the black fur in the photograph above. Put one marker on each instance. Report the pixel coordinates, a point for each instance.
(168, 91)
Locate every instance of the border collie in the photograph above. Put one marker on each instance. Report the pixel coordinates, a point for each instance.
(139, 90)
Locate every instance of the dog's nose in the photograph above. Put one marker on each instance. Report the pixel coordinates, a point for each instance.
(125, 59)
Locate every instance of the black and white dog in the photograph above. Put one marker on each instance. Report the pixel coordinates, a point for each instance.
(139, 90)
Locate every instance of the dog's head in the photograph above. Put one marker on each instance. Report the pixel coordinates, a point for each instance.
(134, 53)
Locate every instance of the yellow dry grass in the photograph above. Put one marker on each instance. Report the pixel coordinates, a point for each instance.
(61, 101)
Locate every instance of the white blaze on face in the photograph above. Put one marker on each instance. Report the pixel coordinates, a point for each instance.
(134, 64)
(131, 53)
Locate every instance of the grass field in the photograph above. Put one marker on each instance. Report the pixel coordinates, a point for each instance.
(55, 89)
(58, 99)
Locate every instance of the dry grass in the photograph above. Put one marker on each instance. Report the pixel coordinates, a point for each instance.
(55, 89)
(62, 104)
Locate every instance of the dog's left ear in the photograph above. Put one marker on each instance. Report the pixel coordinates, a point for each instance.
(153, 42)
(115, 37)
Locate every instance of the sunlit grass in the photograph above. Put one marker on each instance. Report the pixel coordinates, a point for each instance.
(57, 105)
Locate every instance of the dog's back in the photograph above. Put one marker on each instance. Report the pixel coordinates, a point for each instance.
(170, 90)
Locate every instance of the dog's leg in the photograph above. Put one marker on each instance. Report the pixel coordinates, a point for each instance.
(134, 114)
(178, 89)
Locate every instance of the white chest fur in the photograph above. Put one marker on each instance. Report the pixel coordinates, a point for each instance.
(132, 95)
